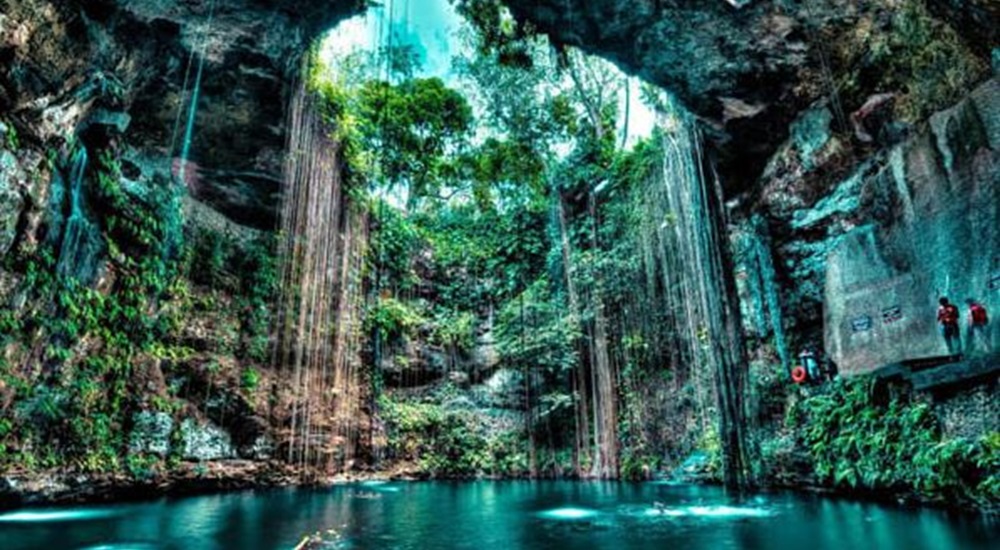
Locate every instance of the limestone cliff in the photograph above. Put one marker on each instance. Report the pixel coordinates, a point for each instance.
(133, 64)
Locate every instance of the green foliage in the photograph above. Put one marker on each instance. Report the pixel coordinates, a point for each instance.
(457, 447)
(453, 329)
(393, 319)
(637, 466)
(528, 113)
(11, 141)
(480, 258)
(711, 444)
(258, 271)
(45, 409)
(247, 271)
(10, 325)
(534, 331)
(211, 254)
(497, 33)
(74, 412)
(144, 227)
(394, 245)
(141, 466)
(855, 442)
(503, 169)
(413, 125)
(450, 443)
(250, 379)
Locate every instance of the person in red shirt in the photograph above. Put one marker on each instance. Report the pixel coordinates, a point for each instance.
(979, 338)
(947, 318)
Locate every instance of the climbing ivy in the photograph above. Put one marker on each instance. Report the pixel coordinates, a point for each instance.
(897, 446)
(10, 138)
(450, 443)
(73, 408)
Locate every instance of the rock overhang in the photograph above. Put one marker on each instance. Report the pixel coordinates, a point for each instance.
(746, 69)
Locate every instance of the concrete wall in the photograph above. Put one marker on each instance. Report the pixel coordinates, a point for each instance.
(934, 212)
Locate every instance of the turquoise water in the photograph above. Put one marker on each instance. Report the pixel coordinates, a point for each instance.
(503, 515)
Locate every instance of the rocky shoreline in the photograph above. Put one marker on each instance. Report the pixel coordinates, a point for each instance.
(22, 489)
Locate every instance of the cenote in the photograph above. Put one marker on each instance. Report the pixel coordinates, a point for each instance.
(488, 514)
(250, 248)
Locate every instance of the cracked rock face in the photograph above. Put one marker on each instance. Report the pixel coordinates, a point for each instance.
(136, 61)
(10, 199)
(914, 220)
(932, 212)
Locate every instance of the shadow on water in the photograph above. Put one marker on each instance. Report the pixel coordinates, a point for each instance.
(481, 515)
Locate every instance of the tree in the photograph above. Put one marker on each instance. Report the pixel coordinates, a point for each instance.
(414, 128)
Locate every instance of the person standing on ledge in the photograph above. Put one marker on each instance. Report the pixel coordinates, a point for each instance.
(979, 339)
(947, 317)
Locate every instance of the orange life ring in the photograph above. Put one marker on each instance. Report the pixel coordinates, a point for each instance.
(799, 374)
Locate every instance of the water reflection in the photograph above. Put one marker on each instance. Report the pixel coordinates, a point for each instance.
(569, 513)
(40, 516)
(484, 515)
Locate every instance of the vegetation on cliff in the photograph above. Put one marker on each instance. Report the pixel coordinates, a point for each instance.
(85, 361)
(860, 438)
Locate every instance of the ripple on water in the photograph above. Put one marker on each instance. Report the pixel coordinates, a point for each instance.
(729, 512)
(123, 546)
(379, 485)
(722, 512)
(38, 516)
(569, 513)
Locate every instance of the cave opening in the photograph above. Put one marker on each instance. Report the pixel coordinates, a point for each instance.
(513, 197)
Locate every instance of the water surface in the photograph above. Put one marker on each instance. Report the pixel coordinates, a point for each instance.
(503, 515)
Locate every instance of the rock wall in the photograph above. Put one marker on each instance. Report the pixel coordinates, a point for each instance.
(134, 63)
(822, 188)
(753, 71)
(971, 412)
(931, 231)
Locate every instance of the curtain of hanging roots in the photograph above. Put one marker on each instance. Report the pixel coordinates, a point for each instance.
(680, 314)
(321, 249)
(697, 285)
(581, 447)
